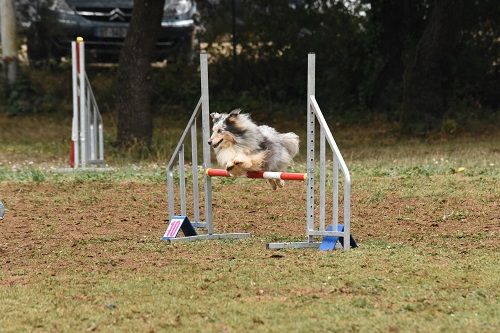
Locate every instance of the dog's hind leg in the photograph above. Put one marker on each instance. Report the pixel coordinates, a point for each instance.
(272, 182)
(280, 183)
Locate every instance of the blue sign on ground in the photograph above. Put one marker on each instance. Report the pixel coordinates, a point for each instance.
(329, 242)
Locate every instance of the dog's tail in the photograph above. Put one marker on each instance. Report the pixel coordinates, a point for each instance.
(290, 141)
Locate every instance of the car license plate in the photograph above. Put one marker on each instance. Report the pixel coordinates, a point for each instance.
(112, 32)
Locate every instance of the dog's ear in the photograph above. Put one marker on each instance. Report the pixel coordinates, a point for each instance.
(215, 116)
(233, 114)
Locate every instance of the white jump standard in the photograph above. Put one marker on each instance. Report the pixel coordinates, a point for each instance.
(313, 113)
(314, 231)
(87, 137)
(178, 155)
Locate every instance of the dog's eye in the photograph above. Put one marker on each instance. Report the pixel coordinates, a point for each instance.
(219, 131)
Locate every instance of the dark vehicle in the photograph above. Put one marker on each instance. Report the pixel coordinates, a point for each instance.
(103, 25)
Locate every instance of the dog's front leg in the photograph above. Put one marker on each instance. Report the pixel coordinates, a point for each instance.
(239, 165)
(235, 168)
(244, 162)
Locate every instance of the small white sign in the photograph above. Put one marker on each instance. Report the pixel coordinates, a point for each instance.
(173, 228)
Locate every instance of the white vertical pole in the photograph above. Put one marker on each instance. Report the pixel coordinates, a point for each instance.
(83, 95)
(310, 144)
(182, 181)
(88, 115)
(101, 143)
(322, 179)
(205, 119)
(335, 191)
(194, 168)
(74, 128)
(93, 145)
(347, 210)
(170, 193)
(9, 40)
(93, 127)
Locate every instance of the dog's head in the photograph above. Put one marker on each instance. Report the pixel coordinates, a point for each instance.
(227, 129)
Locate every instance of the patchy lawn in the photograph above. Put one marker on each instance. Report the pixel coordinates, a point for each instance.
(83, 251)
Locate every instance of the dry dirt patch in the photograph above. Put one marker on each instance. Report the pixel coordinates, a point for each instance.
(103, 222)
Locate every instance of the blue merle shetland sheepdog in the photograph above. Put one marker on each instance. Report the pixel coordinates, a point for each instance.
(241, 145)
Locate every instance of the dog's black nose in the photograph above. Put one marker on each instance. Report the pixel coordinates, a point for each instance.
(210, 142)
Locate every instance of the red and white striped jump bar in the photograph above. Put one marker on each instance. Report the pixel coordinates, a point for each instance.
(260, 174)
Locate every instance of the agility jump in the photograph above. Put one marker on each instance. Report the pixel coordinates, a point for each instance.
(87, 133)
(315, 224)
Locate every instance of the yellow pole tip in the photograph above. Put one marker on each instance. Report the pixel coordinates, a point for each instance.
(79, 39)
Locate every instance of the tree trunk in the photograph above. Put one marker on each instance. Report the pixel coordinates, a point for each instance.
(133, 85)
(424, 96)
(394, 22)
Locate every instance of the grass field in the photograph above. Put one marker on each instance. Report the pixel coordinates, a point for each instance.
(82, 252)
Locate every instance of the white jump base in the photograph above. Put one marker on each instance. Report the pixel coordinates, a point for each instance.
(209, 237)
(296, 245)
(83, 170)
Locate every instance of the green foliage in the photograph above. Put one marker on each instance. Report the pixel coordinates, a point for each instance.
(39, 90)
(362, 50)
(271, 67)
(177, 86)
(21, 98)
